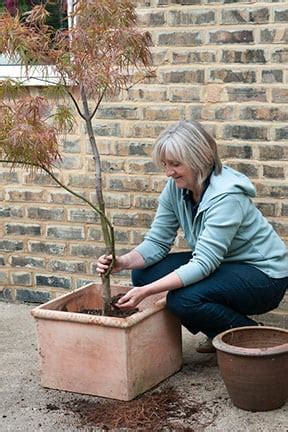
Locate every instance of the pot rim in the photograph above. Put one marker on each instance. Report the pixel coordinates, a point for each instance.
(222, 346)
(44, 311)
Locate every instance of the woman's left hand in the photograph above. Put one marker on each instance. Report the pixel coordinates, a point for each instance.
(132, 298)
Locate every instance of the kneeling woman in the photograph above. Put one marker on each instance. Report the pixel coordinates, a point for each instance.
(237, 265)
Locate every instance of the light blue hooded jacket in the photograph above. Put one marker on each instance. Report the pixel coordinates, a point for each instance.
(226, 228)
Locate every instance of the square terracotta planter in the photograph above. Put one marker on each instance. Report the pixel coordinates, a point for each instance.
(111, 357)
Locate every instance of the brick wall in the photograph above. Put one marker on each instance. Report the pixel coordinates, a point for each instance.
(221, 62)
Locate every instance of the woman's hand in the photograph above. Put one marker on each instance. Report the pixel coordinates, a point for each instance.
(104, 262)
(132, 298)
(137, 294)
(128, 261)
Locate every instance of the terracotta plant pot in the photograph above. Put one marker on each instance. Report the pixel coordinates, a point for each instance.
(253, 362)
(118, 358)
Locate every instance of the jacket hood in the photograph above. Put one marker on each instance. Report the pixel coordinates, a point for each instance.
(229, 181)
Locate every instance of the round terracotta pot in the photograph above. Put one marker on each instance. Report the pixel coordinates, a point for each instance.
(253, 362)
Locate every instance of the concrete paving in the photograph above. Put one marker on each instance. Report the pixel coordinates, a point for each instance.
(26, 406)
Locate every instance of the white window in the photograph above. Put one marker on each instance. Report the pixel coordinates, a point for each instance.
(9, 69)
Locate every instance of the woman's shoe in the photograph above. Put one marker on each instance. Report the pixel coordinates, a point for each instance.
(205, 346)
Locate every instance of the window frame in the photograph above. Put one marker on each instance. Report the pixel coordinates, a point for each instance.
(18, 72)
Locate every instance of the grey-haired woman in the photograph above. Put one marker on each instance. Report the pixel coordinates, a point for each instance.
(236, 266)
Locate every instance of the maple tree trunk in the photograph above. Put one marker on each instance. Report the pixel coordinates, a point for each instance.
(108, 238)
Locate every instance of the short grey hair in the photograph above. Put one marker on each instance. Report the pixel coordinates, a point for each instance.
(188, 143)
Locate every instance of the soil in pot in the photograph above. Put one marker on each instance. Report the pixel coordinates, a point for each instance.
(115, 311)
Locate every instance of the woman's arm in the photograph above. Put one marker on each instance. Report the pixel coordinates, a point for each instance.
(157, 242)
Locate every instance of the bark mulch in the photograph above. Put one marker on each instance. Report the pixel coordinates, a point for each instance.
(159, 410)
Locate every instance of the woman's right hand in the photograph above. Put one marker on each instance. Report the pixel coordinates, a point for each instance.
(104, 262)
(128, 261)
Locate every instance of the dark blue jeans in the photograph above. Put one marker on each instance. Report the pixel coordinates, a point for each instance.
(222, 300)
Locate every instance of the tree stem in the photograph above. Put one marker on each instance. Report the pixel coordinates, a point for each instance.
(109, 242)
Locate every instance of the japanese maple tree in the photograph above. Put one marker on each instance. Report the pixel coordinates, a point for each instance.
(100, 54)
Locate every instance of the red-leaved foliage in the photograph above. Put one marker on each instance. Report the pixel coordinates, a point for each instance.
(25, 137)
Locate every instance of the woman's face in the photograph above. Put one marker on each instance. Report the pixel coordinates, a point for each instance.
(181, 174)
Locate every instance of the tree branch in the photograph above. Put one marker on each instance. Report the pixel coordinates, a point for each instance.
(98, 104)
(65, 187)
